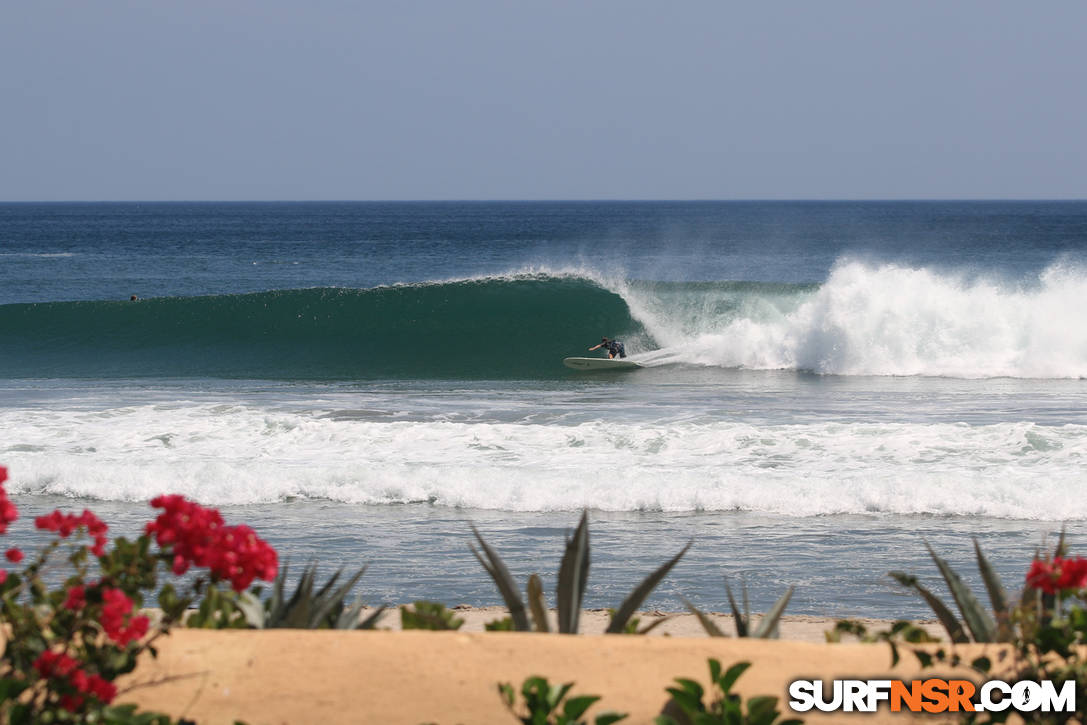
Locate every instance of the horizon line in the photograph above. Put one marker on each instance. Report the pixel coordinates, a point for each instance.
(556, 200)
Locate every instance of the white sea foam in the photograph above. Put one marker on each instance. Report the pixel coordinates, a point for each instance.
(886, 320)
(235, 454)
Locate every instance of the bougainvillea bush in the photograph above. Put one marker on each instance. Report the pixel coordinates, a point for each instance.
(71, 616)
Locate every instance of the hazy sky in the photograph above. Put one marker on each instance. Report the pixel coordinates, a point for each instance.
(579, 99)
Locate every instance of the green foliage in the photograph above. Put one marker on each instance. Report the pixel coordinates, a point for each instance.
(429, 615)
(500, 625)
(546, 704)
(572, 580)
(767, 627)
(900, 631)
(977, 624)
(64, 646)
(1046, 632)
(218, 610)
(309, 607)
(41, 623)
(633, 625)
(727, 708)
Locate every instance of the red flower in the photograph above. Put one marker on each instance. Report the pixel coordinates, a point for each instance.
(13, 555)
(71, 703)
(1058, 574)
(8, 512)
(101, 688)
(58, 665)
(197, 537)
(115, 610)
(3, 575)
(65, 524)
(76, 599)
(1073, 574)
(55, 664)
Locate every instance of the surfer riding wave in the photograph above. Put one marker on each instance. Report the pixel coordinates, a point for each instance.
(614, 347)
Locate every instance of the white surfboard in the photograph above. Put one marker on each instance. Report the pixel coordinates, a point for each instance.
(599, 363)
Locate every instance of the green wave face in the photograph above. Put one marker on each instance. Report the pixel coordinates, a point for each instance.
(517, 328)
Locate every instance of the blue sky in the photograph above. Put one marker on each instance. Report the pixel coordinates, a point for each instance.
(586, 99)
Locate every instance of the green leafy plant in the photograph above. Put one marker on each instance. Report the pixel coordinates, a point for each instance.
(977, 624)
(900, 631)
(65, 646)
(573, 578)
(633, 625)
(546, 704)
(429, 615)
(1046, 632)
(308, 607)
(727, 708)
(767, 627)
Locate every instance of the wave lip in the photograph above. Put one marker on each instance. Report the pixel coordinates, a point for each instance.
(520, 326)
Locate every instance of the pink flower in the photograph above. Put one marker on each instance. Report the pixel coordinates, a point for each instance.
(13, 555)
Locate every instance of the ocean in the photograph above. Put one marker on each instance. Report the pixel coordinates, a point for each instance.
(826, 386)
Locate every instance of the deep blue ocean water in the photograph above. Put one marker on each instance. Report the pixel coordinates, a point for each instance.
(824, 384)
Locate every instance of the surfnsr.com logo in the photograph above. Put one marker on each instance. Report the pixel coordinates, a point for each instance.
(932, 695)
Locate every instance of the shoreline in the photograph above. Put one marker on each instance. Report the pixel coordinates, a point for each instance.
(792, 627)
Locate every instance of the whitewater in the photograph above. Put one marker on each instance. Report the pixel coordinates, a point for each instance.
(234, 454)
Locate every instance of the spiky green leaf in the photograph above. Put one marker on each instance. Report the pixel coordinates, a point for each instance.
(954, 629)
(707, 624)
(768, 626)
(537, 604)
(737, 616)
(997, 596)
(573, 575)
(494, 566)
(635, 598)
(977, 619)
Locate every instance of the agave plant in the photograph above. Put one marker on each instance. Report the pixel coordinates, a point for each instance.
(977, 624)
(325, 608)
(767, 627)
(573, 577)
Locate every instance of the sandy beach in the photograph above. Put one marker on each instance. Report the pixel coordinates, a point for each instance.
(294, 676)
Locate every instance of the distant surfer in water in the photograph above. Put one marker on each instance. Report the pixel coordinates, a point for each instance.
(614, 347)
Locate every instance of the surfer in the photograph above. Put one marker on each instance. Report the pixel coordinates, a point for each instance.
(614, 347)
